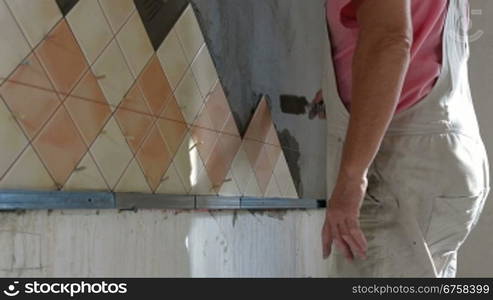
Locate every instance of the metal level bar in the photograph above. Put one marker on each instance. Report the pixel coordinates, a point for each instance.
(41, 200)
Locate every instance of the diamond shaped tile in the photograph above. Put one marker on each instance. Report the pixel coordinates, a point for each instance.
(173, 58)
(252, 188)
(218, 107)
(273, 153)
(272, 137)
(113, 74)
(90, 28)
(61, 56)
(154, 157)
(242, 170)
(261, 123)
(173, 111)
(205, 141)
(28, 173)
(189, 98)
(263, 170)
(252, 149)
(155, 86)
(111, 153)
(230, 126)
(230, 187)
(272, 190)
(14, 47)
(86, 177)
(30, 96)
(117, 12)
(134, 124)
(133, 180)
(173, 133)
(204, 71)
(189, 33)
(135, 44)
(201, 184)
(60, 146)
(88, 108)
(219, 162)
(36, 18)
(12, 139)
(171, 183)
(134, 101)
(284, 178)
(187, 161)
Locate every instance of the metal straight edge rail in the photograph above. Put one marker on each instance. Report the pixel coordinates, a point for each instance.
(62, 200)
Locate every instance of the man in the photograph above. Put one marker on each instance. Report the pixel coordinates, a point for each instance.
(407, 170)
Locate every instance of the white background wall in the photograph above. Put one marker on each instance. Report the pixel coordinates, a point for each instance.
(156, 243)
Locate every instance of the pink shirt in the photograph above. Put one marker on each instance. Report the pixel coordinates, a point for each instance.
(426, 54)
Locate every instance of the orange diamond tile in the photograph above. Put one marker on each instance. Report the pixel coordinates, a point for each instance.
(60, 146)
(205, 140)
(88, 108)
(135, 126)
(172, 111)
(222, 156)
(252, 149)
(62, 57)
(173, 133)
(30, 96)
(155, 86)
(273, 152)
(230, 126)
(261, 123)
(154, 158)
(272, 137)
(134, 101)
(218, 107)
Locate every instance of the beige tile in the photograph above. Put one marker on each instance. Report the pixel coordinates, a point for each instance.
(272, 190)
(28, 173)
(189, 33)
(171, 183)
(201, 184)
(111, 152)
(113, 74)
(252, 189)
(284, 179)
(188, 97)
(36, 18)
(117, 12)
(135, 43)
(204, 71)
(12, 139)
(133, 180)
(90, 28)
(172, 59)
(242, 170)
(86, 177)
(230, 187)
(13, 46)
(187, 162)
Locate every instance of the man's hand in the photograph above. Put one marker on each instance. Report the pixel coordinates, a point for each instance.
(342, 226)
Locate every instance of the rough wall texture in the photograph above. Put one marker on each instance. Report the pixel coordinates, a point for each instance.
(272, 48)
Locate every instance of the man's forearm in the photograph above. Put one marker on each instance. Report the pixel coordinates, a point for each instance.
(379, 68)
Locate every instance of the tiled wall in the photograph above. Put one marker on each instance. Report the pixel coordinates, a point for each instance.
(92, 98)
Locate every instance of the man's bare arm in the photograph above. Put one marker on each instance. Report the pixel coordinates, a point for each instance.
(380, 65)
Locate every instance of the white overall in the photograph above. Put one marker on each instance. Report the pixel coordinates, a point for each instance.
(430, 179)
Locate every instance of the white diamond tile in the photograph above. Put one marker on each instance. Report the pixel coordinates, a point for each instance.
(284, 178)
(90, 28)
(135, 43)
(113, 74)
(111, 152)
(117, 12)
(171, 183)
(172, 59)
(189, 97)
(189, 33)
(86, 177)
(204, 71)
(12, 139)
(28, 173)
(230, 187)
(36, 18)
(13, 46)
(133, 180)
